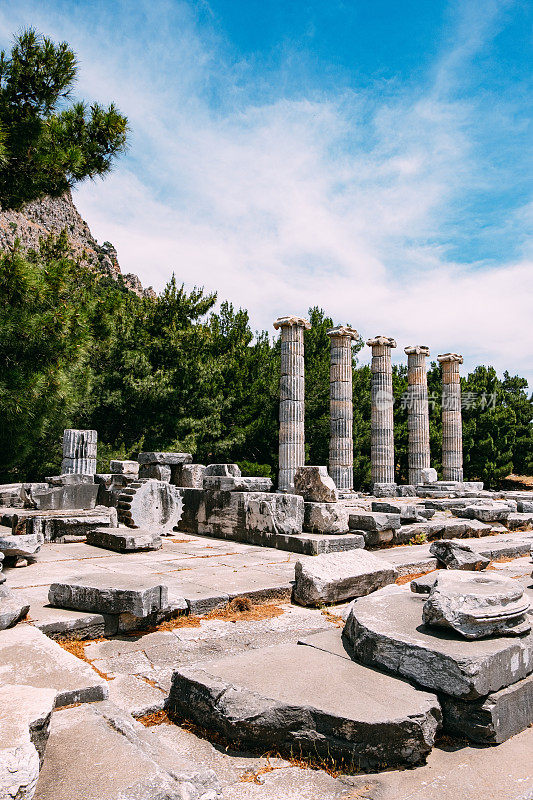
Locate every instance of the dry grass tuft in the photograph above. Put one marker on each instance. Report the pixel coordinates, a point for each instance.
(335, 618)
(157, 718)
(403, 579)
(77, 648)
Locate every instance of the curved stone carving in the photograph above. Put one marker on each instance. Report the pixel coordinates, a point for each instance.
(150, 504)
(477, 606)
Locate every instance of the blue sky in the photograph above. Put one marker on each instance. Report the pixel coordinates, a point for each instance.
(373, 158)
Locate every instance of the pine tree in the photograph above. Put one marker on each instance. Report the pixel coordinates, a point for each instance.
(45, 150)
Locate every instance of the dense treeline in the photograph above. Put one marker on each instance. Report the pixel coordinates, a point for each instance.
(78, 350)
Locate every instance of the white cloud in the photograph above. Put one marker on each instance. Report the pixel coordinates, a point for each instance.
(280, 203)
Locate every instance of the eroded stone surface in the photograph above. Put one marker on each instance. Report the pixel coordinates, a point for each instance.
(292, 697)
(492, 719)
(29, 658)
(325, 518)
(124, 540)
(24, 546)
(151, 504)
(12, 610)
(336, 577)
(458, 555)
(229, 483)
(168, 459)
(386, 630)
(315, 485)
(477, 606)
(25, 714)
(113, 594)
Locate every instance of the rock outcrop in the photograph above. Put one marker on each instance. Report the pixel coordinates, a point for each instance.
(52, 215)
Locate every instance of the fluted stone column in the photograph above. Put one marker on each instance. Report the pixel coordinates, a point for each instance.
(292, 400)
(382, 416)
(417, 412)
(452, 423)
(341, 407)
(79, 452)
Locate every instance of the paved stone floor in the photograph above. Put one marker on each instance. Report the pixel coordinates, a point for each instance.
(139, 668)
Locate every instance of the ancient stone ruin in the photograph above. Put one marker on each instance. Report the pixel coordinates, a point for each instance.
(308, 619)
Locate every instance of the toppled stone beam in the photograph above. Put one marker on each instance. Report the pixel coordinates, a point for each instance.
(292, 399)
(382, 416)
(341, 406)
(417, 413)
(452, 426)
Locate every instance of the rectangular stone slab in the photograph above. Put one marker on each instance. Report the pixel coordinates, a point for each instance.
(30, 658)
(337, 577)
(302, 699)
(385, 630)
(124, 540)
(492, 719)
(115, 594)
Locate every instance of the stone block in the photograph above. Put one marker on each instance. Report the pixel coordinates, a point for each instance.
(117, 758)
(67, 479)
(168, 459)
(524, 506)
(12, 610)
(424, 583)
(492, 719)
(313, 544)
(407, 490)
(31, 659)
(159, 472)
(486, 513)
(151, 504)
(315, 485)
(519, 522)
(113, 594)
(297, 699)
(239, 515)
(386, 508)
(226, 483)
(337, 577)
(24, 546)
(458, 555)
(373, 521)
(66, 497)
(385, 630)
(384, 490)
(325, 518)
(477, 606)
(124, 467)
(25, 714)
(124, 540)
(58, 526)
(190, 476)
(223, 470)
(428, 475)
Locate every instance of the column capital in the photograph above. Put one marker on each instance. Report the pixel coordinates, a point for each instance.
(382, 341)
(447, 357)
(343, 330)
(292, 320)
(416, 349)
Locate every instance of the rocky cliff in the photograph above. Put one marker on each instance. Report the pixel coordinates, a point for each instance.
(52, 215)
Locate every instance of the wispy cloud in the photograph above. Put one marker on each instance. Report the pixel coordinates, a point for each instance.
(279, 202)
